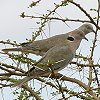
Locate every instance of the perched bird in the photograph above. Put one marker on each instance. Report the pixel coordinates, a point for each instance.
(58, 52)
(40, 47)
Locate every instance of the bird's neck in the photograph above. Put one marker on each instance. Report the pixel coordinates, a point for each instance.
(74, 46)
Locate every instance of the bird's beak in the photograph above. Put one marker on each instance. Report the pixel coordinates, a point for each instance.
(85, 38)
(93, 31)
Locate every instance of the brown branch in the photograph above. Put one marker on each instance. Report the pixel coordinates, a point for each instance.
(48, 83)
(72, 93)
(34, 3)
(5, 85)
(12, 67)
(90, 72)
(45, 20)
(86, 87)
(32, 92)
(60, 19)
(94, 43)
(93, 48)
(6, 42)
(84, 11)
(60, 87)
(85, 65)
(5, 69)
(5, 74)
(4, 78)
(12, 72)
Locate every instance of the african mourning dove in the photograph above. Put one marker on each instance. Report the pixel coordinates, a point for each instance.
(40, 47)
(60, 52)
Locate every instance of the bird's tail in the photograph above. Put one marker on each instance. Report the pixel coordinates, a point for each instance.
(23, 81)
(12, 49)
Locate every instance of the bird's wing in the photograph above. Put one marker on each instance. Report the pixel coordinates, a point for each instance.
(29, 47)
(39, 47)
(58, 56)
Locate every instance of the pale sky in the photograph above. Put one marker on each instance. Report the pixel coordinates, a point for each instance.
(13, 27)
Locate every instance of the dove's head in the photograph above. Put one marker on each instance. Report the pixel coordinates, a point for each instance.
(78, 34)
(86, 28)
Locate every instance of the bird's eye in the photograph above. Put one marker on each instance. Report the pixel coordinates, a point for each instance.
(70, 38)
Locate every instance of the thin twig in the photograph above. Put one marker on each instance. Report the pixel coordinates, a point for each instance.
(86, 87)
(84, 11)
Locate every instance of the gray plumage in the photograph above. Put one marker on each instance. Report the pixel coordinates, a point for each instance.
(58, 50)
(59, 56)
(40, 47)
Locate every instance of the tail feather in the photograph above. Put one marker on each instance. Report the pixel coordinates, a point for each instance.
(12, 49)
(24, 49)
(23, 81)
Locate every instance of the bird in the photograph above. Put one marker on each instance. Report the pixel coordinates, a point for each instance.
(40, 47)
(58, 55)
